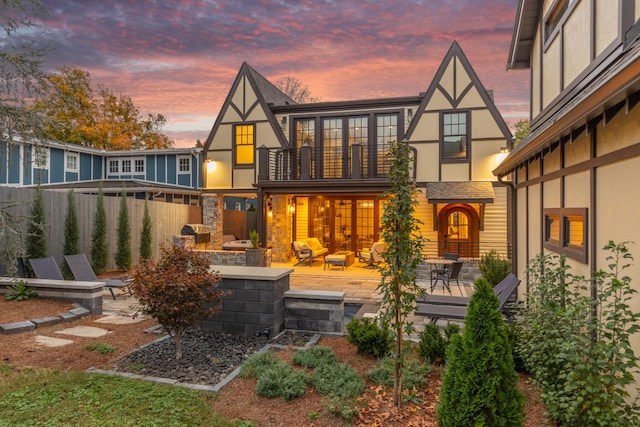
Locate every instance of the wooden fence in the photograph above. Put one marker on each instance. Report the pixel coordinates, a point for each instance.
(167, 219)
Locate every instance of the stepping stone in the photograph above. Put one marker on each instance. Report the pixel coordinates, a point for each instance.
(51, 341)
(84, 331)
(119, 319)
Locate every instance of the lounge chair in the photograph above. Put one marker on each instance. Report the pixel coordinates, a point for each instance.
(81, 270)
(438, 311)
(373, 256)
(46, 268)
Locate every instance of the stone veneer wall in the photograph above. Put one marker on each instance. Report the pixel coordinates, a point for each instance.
(255, 303)
(212, 205)
(318, 311)
(281, 228)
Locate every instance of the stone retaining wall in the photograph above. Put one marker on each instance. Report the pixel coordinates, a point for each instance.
(256, 301)
(87, 294)
(317, 311)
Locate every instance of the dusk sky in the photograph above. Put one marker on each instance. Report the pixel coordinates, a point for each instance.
(179, 58)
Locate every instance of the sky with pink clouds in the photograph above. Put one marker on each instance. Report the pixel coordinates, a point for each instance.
(179, 58)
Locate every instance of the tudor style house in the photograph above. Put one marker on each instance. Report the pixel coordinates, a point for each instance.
(318, 169)
(574, 174)
(172, 175)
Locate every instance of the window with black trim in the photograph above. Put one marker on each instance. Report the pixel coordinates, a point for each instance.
(455, 136)
(244, 145)
(565, 232)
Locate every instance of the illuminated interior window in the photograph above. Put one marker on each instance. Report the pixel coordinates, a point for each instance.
(458, 226)
(245, 144)
(552, 229)
(566, 232)
(574, 229)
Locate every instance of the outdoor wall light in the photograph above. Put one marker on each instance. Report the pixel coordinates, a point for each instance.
(504, 150)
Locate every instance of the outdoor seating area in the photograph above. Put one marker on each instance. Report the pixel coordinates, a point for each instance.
(307, 250)
(81, 270)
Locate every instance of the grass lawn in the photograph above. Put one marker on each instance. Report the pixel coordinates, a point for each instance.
(33, 396)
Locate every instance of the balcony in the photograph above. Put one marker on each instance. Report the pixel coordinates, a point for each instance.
(357, 162)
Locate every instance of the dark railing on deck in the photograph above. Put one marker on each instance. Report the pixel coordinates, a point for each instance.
(329, 163)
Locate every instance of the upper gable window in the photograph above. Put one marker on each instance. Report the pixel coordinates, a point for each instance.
(454, 145)
(126, 166)
(114, 166)
(244, 145)
(139, 165)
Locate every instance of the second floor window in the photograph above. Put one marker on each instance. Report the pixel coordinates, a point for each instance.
(113, 166)
(244, 145)
(139, 165)
(126, 166)
(455, 137)
(184, 164)
(71, 162)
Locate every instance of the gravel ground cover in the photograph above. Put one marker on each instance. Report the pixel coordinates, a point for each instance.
(207, 357)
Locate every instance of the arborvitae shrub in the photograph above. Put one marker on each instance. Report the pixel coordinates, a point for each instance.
(480, 384)
(99, 242)
(71, 233)
(432, 345)
(37, 244)
(369, 338)
(146, 233)
(123, 250)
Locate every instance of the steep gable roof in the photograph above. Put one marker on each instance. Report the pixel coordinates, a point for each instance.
(455, 53)
(267, 94)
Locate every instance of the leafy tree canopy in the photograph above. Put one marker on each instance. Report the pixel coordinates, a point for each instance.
(522, 130)
(77, 113)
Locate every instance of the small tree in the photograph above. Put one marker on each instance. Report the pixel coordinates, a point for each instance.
(146, 236)
(123, 250)
(37, 245)
(71, 233)
(480, 384)
(493, 267)
(12, 236)
(176, 290)
(402, 255)
(99, 243)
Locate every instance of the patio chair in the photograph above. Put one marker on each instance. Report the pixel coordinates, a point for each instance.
(307, 250)
(373, 256)
(437, 311)
(46, 268)
(446, 274)
(81, 270)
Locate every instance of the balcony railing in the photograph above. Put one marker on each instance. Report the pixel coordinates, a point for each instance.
(356, 162)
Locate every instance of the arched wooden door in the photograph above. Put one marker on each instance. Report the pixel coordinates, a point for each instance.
(459, 230)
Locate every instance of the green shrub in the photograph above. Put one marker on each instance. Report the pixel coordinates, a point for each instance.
(280, 380)
(20, 291)
(414, 373)
(369, 338)
(99, 347)
(344, 408)
(514, 336)
(480, 384)
(258, 362)
(338, 380)
(315, 356)
(432, 345)
(493, 267)
(583, 364)
(450, 329)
